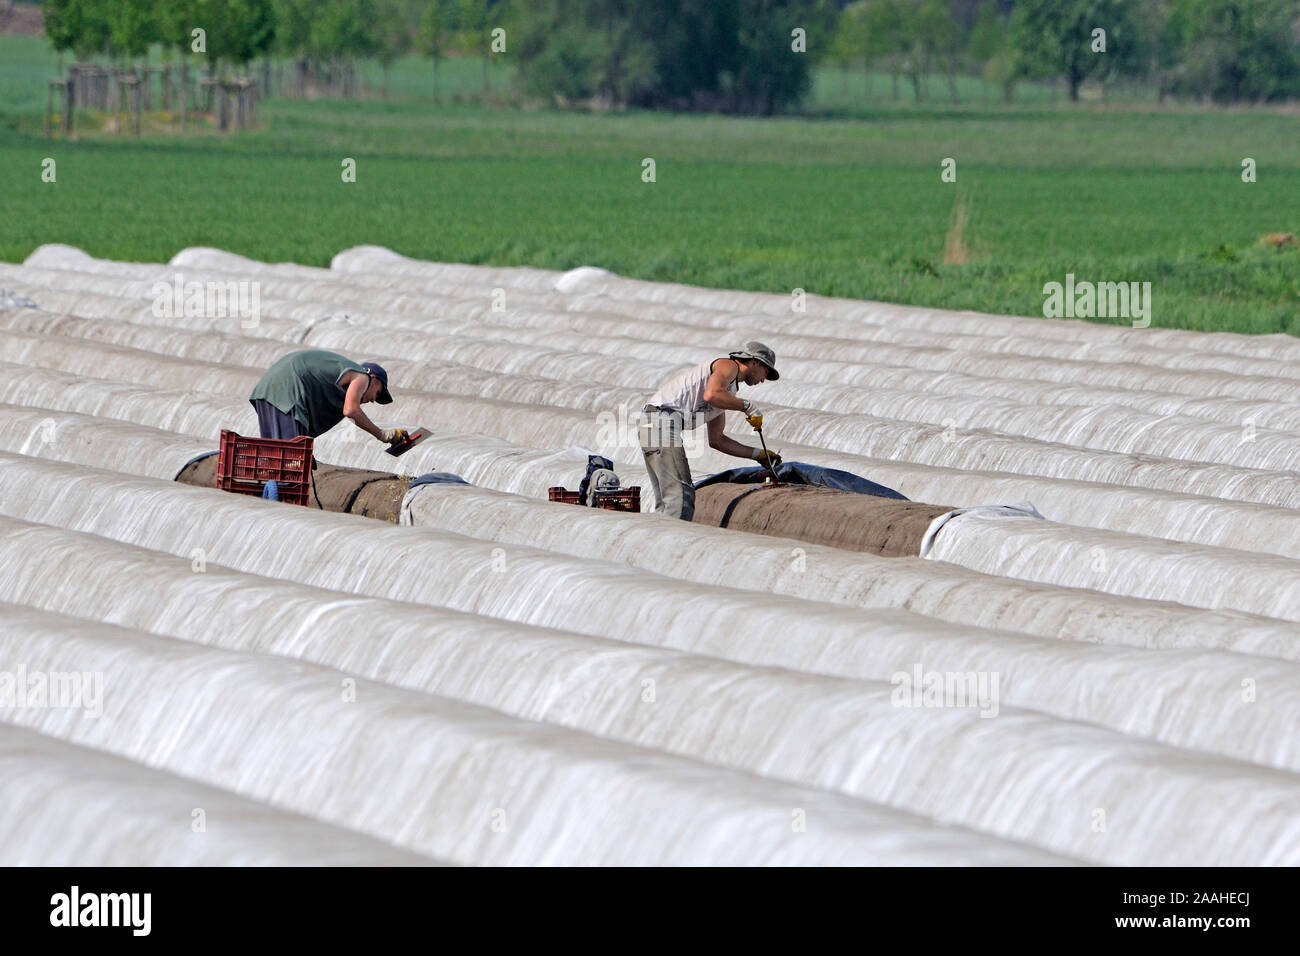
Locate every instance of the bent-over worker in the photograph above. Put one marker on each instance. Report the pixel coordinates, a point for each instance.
(701, 396)
(309, 392)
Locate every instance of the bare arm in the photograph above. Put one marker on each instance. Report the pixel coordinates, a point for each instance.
(724, 444)
(355, 385)
(715, 389)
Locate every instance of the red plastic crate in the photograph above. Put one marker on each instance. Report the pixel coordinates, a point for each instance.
(245, 465)
(625, 499)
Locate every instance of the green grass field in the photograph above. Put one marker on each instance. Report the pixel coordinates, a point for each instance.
(841, 206)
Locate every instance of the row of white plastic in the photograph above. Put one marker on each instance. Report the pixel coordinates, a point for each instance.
(939, 590)
(1249, 441)
(1203, 520)
(1115, 429)
(1108, 561)
(770, 703)
(513, 681)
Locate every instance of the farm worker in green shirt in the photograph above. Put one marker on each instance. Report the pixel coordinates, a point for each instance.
(309, 392)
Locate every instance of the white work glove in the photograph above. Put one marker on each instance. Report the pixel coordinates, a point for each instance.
(393, 436)
(753, 415)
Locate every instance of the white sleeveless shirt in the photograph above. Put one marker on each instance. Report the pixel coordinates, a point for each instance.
(685, 393)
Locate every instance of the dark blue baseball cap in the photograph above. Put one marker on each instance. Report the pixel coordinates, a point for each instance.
(377, 370)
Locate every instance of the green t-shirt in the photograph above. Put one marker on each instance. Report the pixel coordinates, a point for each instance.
(306, 386)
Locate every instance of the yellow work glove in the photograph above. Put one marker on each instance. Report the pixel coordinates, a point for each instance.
(768, 458)
(753, 416)
(394, 436)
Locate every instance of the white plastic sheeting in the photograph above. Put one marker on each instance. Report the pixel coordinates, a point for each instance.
(439, 650)
(890, 755)
(611, 651)
(1101, 560)
(944, 592)
(77, 806)
(1123, 564)
(800, 569)
(1197, 519)
(435, 774)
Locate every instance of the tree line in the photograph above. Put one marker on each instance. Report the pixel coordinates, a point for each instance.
(745, 56)
(323, 38)
(1228, 51)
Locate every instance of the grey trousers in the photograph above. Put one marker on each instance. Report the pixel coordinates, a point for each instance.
(274, 423)
(660, 433)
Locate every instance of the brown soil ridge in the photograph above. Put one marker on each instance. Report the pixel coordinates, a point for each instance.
(371, 494)
(840, 519)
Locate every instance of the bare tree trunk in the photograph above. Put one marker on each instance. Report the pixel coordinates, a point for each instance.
(223, 116)
(114, 96)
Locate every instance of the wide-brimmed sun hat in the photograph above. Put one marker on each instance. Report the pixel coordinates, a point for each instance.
(759, 351)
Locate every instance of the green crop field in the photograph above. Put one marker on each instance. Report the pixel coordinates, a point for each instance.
(840, 205)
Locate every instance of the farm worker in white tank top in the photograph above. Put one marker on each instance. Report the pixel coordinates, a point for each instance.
(701, 396)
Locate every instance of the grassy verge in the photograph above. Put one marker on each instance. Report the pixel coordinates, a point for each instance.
(851, 207)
